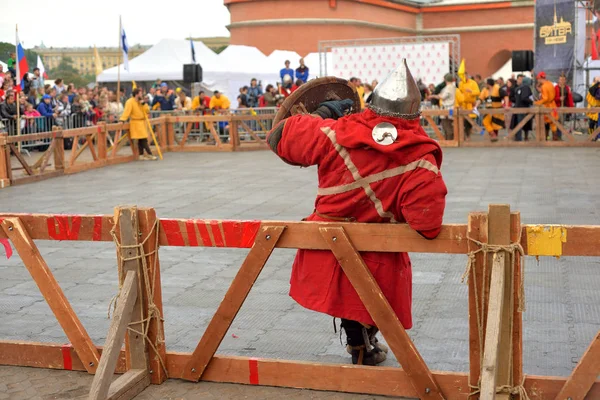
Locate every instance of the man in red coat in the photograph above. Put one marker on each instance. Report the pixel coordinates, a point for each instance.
(376, 166)
(563, 96)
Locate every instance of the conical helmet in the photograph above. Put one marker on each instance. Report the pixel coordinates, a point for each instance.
(398, 95)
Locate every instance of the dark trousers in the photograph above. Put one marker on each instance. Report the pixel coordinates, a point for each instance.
(143, 145)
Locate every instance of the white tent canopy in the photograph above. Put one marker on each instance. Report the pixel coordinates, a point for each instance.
(226, 72)
(278, 58)
(506, 71)
(313, 62)
(4, 66)
(164, 60)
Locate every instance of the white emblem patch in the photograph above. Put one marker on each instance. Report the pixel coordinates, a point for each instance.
(385, 134)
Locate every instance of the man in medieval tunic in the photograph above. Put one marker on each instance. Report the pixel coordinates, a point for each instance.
(375, 166)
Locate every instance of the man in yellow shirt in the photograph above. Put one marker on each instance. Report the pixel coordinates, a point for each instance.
(466, 96)
(219, 102)
(547, 94)
(136, 112)
(492, 96)
(360, 90)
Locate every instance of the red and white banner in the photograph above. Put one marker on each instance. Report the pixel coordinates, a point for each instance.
(427, 61)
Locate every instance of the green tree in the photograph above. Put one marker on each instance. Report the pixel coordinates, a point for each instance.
(70, 74)
(7, 48)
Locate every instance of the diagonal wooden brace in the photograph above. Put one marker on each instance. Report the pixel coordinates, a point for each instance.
(584, 375)
(382, 313)
(265, 242)
(114, 340)
(52, 292)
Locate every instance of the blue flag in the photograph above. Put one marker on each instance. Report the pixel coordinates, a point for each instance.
(124, 47)
(193, 51)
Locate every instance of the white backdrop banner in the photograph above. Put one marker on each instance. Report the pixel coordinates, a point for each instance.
(427, 61)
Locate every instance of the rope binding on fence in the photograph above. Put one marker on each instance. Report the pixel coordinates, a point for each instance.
(514, 250)
(153, 310)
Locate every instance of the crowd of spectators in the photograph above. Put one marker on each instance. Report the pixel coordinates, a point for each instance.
(42, 106)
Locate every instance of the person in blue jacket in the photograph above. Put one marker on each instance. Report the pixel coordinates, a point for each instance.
(166, 100)
(286, 71)
(302, 71)
(46, 111)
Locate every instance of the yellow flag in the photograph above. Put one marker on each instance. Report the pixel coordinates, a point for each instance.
(462, 70)
(133, 85)
(97, 61)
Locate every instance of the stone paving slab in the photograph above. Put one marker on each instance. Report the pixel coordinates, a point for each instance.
(545, 185)
(19, 383)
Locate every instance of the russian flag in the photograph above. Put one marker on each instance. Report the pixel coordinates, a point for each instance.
(21, 67)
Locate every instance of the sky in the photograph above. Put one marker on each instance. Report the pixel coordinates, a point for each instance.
(70, 23)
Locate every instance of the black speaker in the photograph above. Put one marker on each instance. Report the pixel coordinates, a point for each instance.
(522, 60)
(189, 73)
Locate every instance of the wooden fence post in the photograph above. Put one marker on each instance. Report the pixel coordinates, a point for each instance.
(148, 223)
(540, 128)
(102, 132)
(59, 149)
(5, 167)
(501, 295)
(170, 131)
(477, 230)
(234, 135)
(455, 112)
(162, 135)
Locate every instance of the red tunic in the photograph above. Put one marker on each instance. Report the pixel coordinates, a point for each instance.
(348, 160)
(568, 97)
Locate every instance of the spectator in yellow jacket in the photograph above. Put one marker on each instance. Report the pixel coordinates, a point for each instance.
(466, 97)
(219, 101)
(547, 94)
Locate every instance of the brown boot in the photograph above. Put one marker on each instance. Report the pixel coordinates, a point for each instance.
(362, 356)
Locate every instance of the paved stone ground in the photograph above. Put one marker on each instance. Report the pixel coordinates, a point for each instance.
(18, 383)
(546, 185)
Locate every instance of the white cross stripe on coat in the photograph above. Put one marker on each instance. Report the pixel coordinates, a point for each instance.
(330, 133)
(390, 173)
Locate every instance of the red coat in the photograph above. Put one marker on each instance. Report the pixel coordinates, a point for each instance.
(568, 97)
(347, 159)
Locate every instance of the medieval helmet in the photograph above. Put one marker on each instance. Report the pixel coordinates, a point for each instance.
(398, 95)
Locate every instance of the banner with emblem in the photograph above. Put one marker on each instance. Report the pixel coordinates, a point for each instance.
(427, 61)
(555, 38)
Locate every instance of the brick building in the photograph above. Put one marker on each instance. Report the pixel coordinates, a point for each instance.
(489, 29)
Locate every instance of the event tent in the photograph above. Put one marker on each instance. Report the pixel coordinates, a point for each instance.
(278, 58)
(4, 66)
(227, 72)
(313, 62)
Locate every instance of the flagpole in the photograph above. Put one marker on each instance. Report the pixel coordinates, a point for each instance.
(119, 64)
(18, 97)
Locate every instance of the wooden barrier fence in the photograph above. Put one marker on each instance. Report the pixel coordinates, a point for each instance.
(103, 144)
(493, 241)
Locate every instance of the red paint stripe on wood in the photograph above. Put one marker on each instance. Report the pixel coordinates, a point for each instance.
(97, 235)
(191, 232)
(233, 233)
(172, 232)
(249, 233)
(67, 359)
(204, 233)
(60, 229)
(253, 367)
(216, 231)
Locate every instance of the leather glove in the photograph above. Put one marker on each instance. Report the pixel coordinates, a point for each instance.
(334, 109)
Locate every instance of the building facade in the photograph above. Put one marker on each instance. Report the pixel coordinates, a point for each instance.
(83, 57)
(489, 29)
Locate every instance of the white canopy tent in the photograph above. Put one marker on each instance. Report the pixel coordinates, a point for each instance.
(313, 62)
(506, 71)
(278, 58)
(4, 66)
(226, 72)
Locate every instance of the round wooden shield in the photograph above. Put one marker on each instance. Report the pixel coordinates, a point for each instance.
(307, 98)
